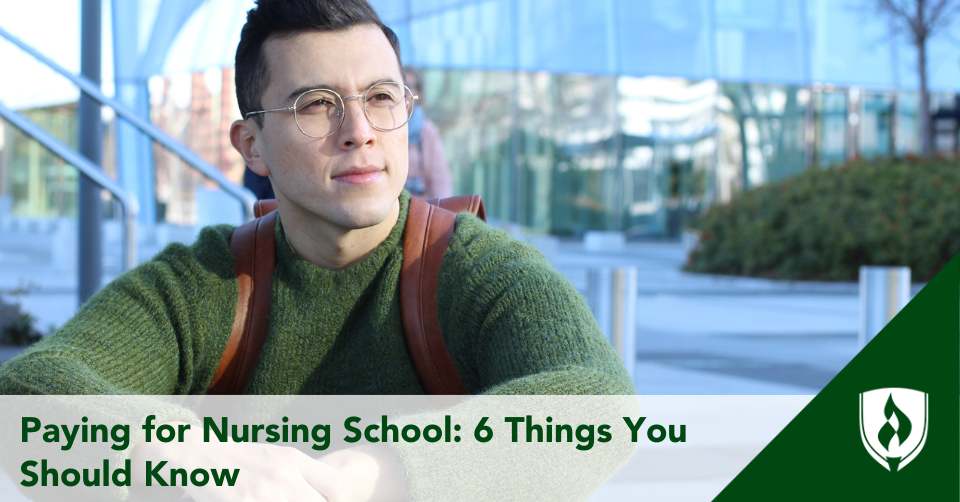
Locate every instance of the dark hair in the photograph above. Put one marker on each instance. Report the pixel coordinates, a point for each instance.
(282, 18)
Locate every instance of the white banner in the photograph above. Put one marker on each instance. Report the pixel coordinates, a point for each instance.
(600, 448)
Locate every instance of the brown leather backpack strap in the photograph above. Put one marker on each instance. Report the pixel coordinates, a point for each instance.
(425, 239)
(462, 204)
(266, 206)
(253, 245)
(428, 231)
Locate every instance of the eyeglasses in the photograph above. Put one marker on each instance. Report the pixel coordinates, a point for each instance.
(319, 112)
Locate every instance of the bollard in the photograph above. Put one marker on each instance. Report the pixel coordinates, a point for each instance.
(883, 292)
(604, 241)
(612, 296)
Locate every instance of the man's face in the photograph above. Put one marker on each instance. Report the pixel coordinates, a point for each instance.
(352, 178)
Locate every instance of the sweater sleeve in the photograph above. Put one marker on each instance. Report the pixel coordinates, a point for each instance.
(515, 325)
(154, 330)
(158, 329)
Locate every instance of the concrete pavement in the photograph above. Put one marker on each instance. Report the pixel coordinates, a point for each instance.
(703, 334)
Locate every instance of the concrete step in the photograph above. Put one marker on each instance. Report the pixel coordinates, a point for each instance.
(54, 242)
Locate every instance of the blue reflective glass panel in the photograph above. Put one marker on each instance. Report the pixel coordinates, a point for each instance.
(431, 6)
(402, 29)
(759, 40)
(943, 60)
(849, 46)
(390, 11)
(669, 37)
(476, 35)
(567, 36)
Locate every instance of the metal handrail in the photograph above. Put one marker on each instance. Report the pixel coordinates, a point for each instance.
(246, 198)
(131, 205)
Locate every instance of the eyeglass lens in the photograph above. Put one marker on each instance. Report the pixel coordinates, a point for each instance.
(387, 106)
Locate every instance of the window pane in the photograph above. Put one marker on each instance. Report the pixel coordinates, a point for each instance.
(473, 111)
(669, 37)
(475, 36)
(567, 36)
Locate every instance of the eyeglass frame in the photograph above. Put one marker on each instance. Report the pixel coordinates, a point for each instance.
(343, 101)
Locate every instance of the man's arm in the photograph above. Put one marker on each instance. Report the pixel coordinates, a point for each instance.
(161, 329)
(158, 329)
(515, 325)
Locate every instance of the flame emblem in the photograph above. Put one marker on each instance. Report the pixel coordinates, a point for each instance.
(893, 425)
(888, 431)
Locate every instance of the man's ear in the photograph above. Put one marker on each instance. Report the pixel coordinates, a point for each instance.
(244, 139)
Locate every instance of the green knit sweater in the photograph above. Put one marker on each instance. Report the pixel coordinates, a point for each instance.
(512, 323)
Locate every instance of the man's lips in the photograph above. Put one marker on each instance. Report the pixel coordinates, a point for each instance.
(359, 175)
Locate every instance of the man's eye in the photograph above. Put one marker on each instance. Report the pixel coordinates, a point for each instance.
(315, 106)
(380, 97)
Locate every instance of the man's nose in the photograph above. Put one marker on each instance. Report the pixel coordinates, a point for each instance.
(355, 129)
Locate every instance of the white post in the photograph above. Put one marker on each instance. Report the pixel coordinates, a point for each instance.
(612, 296)
(883, 292)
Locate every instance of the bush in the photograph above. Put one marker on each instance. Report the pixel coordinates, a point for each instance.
(825, 224)
(21, 331)
(17, 327)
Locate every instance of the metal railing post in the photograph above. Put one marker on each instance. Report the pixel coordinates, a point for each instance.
(90, 145)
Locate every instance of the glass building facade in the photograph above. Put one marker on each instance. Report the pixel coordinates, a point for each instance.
(565, 115)
(566, 153)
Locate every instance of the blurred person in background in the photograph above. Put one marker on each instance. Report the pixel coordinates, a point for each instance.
(429, 174)
(259, 185)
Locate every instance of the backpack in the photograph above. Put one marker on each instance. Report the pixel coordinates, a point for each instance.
(430, 224)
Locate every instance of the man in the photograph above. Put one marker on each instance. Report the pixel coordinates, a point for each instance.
(307, 75)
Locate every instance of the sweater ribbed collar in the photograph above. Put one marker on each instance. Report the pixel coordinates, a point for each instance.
(301, 274)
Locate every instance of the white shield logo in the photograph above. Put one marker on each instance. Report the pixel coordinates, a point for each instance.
(893, 425)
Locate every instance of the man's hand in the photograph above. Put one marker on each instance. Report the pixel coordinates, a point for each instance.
(371, 472)
(267, 472)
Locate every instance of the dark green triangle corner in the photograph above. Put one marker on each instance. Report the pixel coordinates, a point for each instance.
(820, 454)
